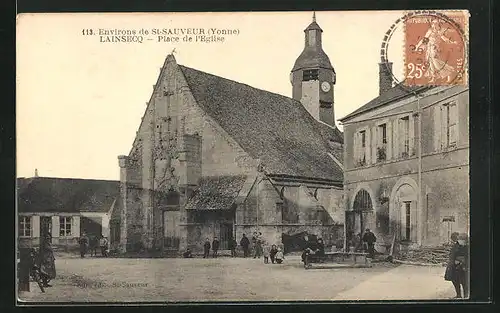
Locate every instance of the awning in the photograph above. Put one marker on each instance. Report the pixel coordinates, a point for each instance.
(216, 193)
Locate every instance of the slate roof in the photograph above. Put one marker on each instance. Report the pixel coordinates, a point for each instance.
(216, 192)
(69, 195)
(273, 128)
(398, 92)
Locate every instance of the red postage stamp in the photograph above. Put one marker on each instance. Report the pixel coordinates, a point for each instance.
(435, 48)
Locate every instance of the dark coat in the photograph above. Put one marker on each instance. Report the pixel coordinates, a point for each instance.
(369, 238)
(47, 260)
(457, 262)
(206, 246)
(215, 245)
(245, 242)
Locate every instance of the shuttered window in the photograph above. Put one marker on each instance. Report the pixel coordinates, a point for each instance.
(451, 124)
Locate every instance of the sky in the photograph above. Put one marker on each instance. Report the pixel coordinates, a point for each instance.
(80, 100)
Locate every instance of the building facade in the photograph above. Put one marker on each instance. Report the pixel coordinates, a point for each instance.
(406, 165)
(217, 158)
(65, 208)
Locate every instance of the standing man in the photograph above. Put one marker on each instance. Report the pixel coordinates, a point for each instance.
(215, 246)
(103, 243)
(84, 242)
(458, 265)
(370, 239)
(232, 246)
(206, 249)
(245, 243)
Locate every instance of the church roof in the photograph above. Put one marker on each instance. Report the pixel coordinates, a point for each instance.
(273, 128)
(398, 92)
(68, 195)
(216, 192)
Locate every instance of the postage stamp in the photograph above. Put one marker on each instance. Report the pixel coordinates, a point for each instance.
(435, 48)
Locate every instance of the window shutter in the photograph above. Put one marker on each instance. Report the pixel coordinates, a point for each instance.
(355, 148)
(454, 121)
(55, 226)
(444, 126)
(437, 127)
(374, 144)
(396, 145)
(389, 140)
(411, 134)
(35, 226)
(75, 226)
(368, 144)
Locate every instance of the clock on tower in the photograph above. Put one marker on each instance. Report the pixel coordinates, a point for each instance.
(313, 77)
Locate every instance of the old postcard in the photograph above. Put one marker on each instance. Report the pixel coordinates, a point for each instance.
(253, 156)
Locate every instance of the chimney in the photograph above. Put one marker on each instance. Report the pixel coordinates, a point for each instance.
(36, 172)
(385, 77)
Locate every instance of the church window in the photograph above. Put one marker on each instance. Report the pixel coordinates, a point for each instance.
(310, 75)
(64, 226)
(25, 229)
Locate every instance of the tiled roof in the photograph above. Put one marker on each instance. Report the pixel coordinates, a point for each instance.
(273, 128)
(397, 92)
(70, 195)
(216, 192)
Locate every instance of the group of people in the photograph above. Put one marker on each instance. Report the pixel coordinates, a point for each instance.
(256, 245)
(92, 243)
(316, 247)
(215, 248)
(364, 242)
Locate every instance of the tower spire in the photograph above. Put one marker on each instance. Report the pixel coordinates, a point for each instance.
(314, 16)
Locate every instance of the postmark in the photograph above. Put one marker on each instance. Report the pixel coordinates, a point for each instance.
(435, 48)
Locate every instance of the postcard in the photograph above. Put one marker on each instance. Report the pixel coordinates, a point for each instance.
(242, 156)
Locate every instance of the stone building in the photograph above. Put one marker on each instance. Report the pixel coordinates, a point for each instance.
(218, 158)
(406, 164)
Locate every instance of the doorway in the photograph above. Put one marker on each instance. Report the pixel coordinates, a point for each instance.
(226, 234)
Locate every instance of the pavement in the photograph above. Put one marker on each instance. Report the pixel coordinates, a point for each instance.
(234, 279)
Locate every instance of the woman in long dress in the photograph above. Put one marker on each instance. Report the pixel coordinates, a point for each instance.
(47, 261)
(436, 67)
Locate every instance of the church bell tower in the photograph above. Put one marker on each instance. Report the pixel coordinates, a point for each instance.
(313, 77)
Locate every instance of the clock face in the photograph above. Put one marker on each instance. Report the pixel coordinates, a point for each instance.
(325, 86)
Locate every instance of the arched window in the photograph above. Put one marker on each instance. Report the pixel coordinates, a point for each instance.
(362, 201)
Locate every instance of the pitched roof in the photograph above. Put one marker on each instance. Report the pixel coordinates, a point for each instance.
(273, 128)
(397, 92)
(70, 195)
(216, 192)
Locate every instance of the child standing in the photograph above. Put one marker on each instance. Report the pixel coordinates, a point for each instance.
(279, 256)
(266, 253)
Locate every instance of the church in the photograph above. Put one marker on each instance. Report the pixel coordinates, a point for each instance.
(218, 158)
